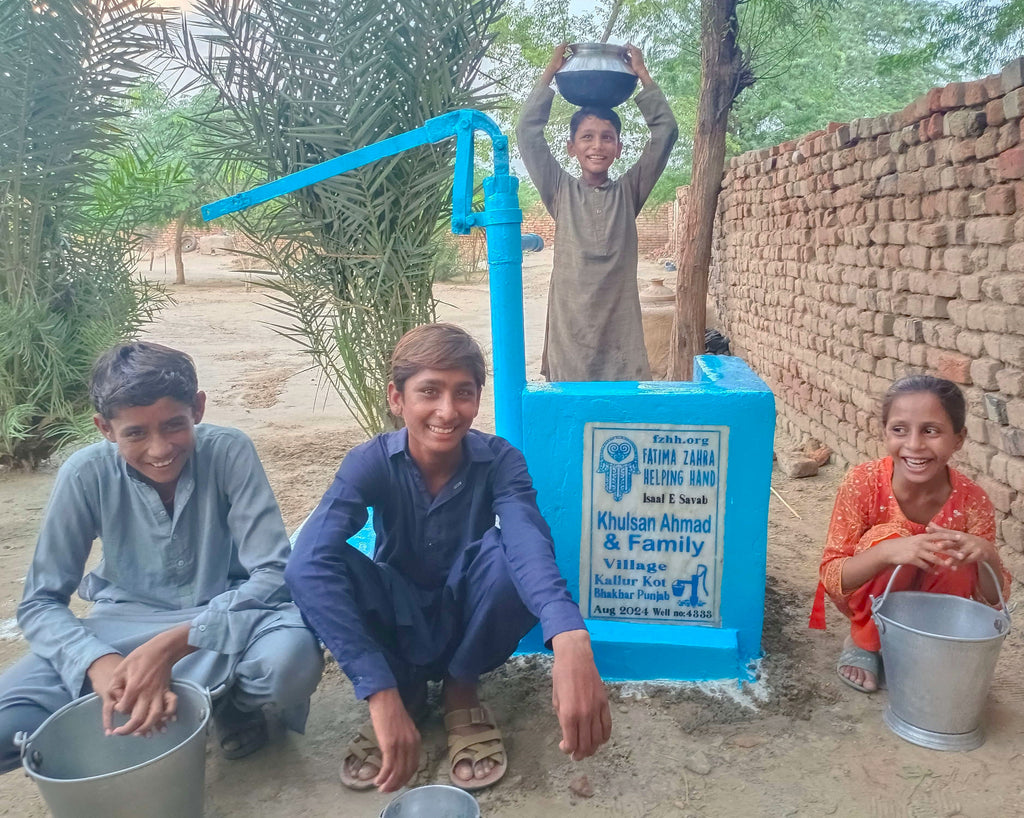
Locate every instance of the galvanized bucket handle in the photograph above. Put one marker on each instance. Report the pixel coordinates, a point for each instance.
(877, 602)
(22, 740)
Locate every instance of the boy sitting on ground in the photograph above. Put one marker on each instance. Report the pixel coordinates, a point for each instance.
(191, 583)
(463, 567)
(594, 326)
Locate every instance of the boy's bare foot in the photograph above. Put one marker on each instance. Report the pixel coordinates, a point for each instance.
(483, 761)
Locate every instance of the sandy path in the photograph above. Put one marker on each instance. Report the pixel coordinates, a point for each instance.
(798, 743)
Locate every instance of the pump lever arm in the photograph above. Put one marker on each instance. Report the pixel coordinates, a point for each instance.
(460, 123)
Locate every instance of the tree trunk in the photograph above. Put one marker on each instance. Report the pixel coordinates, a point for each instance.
(179, 262)
(722, 78)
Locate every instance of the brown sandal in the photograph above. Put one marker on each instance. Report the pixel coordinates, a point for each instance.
(475, 747)
(363, 747)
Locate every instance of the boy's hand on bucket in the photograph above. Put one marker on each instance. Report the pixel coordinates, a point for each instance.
(140, 684)
(635, 58)
(555, 63)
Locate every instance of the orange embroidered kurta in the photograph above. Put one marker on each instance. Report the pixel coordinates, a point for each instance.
(866, 513)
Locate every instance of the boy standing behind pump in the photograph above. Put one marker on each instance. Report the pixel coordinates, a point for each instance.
(594, 327)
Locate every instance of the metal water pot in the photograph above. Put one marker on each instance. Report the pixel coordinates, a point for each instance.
(596, 75)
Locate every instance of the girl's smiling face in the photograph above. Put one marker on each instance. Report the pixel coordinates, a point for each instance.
(920, 438)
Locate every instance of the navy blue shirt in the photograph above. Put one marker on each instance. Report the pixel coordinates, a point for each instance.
(420, 537)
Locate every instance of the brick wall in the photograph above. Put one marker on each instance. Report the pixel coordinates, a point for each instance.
(856, 254)
(655, 227)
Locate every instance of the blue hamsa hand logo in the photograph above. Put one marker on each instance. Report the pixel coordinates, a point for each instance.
(618, 463)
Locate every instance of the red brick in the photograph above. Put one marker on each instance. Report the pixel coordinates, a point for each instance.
(983, 372)
(933, 235)
(1009, 136)
(994, 113)
(990, 230)
(958, 203)
(1011, 350)
(975, 93)
(915, 111)
(1001, 495)
(964, 150)
(1013, 104)
(953, 95)
(1014, 476)
(963, 123)
(1011, 381)
(1012, 75)
(1010, 164)
(1012, 533)
(1000, 200)
(952, 366)
(987, 144)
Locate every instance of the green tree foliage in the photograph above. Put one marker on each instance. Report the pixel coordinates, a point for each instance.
(303, 81)
(169, 129)
(813, 63)
(976, 36)
(67, 229)
(849, 67)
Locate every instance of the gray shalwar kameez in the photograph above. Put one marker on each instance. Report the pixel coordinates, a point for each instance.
(217, 563)
(594, 328)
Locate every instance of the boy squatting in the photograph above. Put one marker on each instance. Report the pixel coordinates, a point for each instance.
(192, 575)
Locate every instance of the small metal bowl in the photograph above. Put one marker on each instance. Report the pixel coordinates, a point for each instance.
(433, 801)
(596, 75)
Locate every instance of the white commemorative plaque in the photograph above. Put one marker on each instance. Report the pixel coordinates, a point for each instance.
(653, 505)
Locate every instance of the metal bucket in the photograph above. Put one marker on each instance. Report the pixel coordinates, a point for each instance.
(433, 801)
(939, 653)
(83, 773)
(596, 74)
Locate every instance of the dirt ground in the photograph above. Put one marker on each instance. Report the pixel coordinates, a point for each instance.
(796, 743)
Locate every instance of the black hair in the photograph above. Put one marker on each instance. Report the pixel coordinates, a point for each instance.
(607, 114)
(140, 374)
(437, 346)
(948, 393)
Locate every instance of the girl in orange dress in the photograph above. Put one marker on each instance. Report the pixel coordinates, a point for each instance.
(910, 508)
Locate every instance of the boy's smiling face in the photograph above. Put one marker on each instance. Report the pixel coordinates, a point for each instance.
(156, 440)
(438, 407)
(596, 145)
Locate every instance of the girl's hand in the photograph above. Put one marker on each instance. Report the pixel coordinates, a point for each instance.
(964, 548)
(925, 551)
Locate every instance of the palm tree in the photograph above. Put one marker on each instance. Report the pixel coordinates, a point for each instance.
(67, 287)
(303, 81)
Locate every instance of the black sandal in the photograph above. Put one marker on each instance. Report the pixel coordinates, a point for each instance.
(240, 733)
